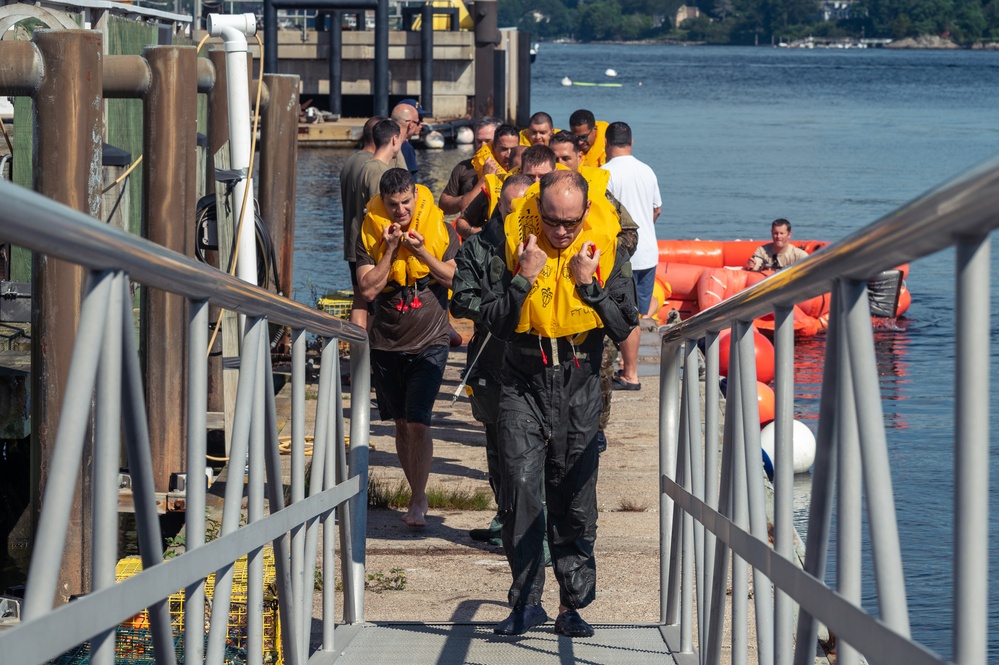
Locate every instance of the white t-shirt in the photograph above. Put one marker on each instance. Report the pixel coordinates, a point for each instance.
(635, 185)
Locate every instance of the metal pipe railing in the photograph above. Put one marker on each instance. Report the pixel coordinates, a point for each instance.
(73, 236)
(851, 465)
(109, 254)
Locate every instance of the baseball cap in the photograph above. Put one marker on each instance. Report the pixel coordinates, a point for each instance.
(415, 104)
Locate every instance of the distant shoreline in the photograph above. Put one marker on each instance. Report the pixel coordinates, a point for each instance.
(924, 42)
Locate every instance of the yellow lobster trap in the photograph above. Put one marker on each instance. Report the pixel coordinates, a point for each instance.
(338, 303)
(134, 641)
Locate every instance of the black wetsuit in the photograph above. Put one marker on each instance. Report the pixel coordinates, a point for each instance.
(549, 413)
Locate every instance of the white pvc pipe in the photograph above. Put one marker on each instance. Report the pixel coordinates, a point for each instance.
(234, 29)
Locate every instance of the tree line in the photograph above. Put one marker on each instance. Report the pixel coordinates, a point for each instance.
(752, 21)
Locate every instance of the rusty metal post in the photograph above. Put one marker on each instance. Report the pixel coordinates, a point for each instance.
(278, 171)
(22, 68)
(67, 168)
(170, 112)
(218, 114)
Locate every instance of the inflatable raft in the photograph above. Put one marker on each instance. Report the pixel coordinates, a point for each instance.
(693, 275)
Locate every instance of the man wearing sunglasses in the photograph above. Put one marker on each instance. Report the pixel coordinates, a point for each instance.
(590, 133)
(557, 286)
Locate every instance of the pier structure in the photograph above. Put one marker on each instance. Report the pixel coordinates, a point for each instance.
(99, 408)
(141, 170)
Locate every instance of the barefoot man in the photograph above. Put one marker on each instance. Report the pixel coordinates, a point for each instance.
(405, 262)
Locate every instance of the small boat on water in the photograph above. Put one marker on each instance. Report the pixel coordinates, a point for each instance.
(693, 275)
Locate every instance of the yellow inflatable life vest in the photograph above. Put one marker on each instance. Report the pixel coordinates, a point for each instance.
(494, 186)
(553, 308)
(480, 157)
(525, 138)
(596, 178)
(597, 154)
(428, 220)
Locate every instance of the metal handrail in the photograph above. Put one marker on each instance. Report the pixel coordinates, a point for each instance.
(711, 509)
(75, 237)
(109, 383)
(965, 206)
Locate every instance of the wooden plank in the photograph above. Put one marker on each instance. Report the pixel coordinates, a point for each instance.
(230, 321)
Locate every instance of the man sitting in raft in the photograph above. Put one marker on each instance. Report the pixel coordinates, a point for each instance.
(590, 133)
(558, 285)
(777, 254)
(539, 130)
(405, 263)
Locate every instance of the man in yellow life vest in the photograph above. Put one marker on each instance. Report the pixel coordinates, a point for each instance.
(495, 158)
(485, 354)
(540, 129)
(590, 132)
(535, 161)
(461, 186)
(566, 146)
(405, 263)
(560, 283)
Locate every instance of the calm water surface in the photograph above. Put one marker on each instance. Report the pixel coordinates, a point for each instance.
(832, 140)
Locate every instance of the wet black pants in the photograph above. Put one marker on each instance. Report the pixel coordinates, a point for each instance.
(546, 444)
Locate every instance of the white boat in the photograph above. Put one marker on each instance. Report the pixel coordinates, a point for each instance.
(566, 81)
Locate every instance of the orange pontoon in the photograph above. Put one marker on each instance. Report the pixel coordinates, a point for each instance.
(693, 275)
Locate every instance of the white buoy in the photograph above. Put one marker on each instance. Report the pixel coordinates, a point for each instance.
(434, 140)
(566, 81)
(465, 136)
(802, 443)
(610, 72)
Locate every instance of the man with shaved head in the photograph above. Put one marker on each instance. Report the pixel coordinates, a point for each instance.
(558, 285)
(539, 130)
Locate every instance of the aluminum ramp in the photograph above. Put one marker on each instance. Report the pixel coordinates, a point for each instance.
(452, 643)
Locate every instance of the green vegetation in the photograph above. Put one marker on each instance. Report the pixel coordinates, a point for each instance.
(382, 494)
(753, 21)
(629, 505)
(176, 545)
(394, 580)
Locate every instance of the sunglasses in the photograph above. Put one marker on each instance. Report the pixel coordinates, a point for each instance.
(555, 223)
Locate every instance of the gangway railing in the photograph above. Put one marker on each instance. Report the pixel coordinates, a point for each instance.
(712, 511)
(105, 393)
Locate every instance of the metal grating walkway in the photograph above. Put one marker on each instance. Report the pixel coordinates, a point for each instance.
(447, 644)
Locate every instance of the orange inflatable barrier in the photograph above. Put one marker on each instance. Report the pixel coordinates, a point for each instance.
(703, 273)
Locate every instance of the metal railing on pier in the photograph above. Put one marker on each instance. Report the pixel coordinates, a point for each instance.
(712, 513)
(105, 393)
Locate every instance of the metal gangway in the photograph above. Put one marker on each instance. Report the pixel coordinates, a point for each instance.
(105, 391)
(712, 514)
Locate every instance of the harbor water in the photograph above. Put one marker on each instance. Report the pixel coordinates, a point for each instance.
(830, 139)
